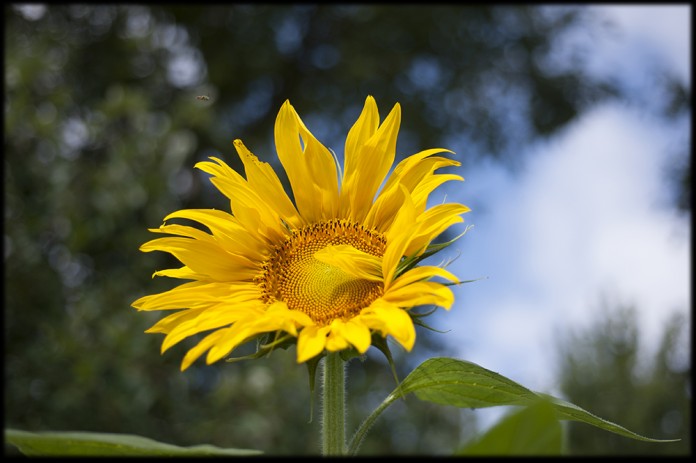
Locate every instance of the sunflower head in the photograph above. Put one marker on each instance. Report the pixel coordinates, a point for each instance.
(334, 269)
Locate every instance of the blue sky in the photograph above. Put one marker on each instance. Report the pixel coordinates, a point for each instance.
(588, 217)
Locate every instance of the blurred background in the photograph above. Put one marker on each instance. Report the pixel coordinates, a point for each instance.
(572, 125)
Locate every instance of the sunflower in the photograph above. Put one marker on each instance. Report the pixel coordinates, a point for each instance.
(326, 271)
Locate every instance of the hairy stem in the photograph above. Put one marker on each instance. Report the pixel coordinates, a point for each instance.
(333, 401)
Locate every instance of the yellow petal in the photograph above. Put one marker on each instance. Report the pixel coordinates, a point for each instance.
(279, 317)
(198, 350)
(311, 171)
(265, 181)
(362, 130)
(183, 273)
(232, 249)
(189, 295)
(432, 223)
(203, 257)
(234, 336)
(220, 316)
(253, 213)
(421, 293)
(352, 261)
(421, 192)
(422, 273)
(276, 317)
(311, 342)
(389, 319)
(372, 162)
(183, 230)
(290, 155)
(168, 323)
(353, 332)
(411, 170)
(336, 342)
(321, 166)
(385, 208)
(398, 238)
(227, 230)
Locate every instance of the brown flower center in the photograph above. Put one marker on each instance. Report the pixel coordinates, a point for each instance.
(323, 291)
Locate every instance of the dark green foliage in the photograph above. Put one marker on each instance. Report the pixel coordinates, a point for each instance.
(604, 367)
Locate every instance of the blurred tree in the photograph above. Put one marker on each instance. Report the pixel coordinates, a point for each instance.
(103, 127)
(601, 369)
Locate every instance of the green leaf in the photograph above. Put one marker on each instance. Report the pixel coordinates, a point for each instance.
(534, 430)
(449, 381)
(104, 444)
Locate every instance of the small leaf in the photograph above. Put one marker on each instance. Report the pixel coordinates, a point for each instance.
(534, 430)
(350, 353)
(103, 444)
(448, 381)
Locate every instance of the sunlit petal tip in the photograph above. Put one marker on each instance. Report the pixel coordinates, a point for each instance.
(242, 150)
(201, 164)
(370, 104)
(286, 109)
(408, 345)
(188, 361)
(152, 329)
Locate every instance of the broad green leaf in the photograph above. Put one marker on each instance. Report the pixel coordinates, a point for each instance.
(449, 381)
(104, 444)
(534, 430)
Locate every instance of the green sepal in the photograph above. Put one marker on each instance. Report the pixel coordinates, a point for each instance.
(351, 353)
(312, 365)
(411, 261)
(450, 283)
(419, 322)
(380, 343)
(416, 317)
(264, 347)
(280, 342)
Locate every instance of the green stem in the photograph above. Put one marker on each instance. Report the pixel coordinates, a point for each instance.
(333, 413)
(367, 424)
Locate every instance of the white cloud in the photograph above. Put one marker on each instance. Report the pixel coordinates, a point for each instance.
(588, 215)
(664, 28)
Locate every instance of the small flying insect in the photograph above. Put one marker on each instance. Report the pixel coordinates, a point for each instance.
(203, 97)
